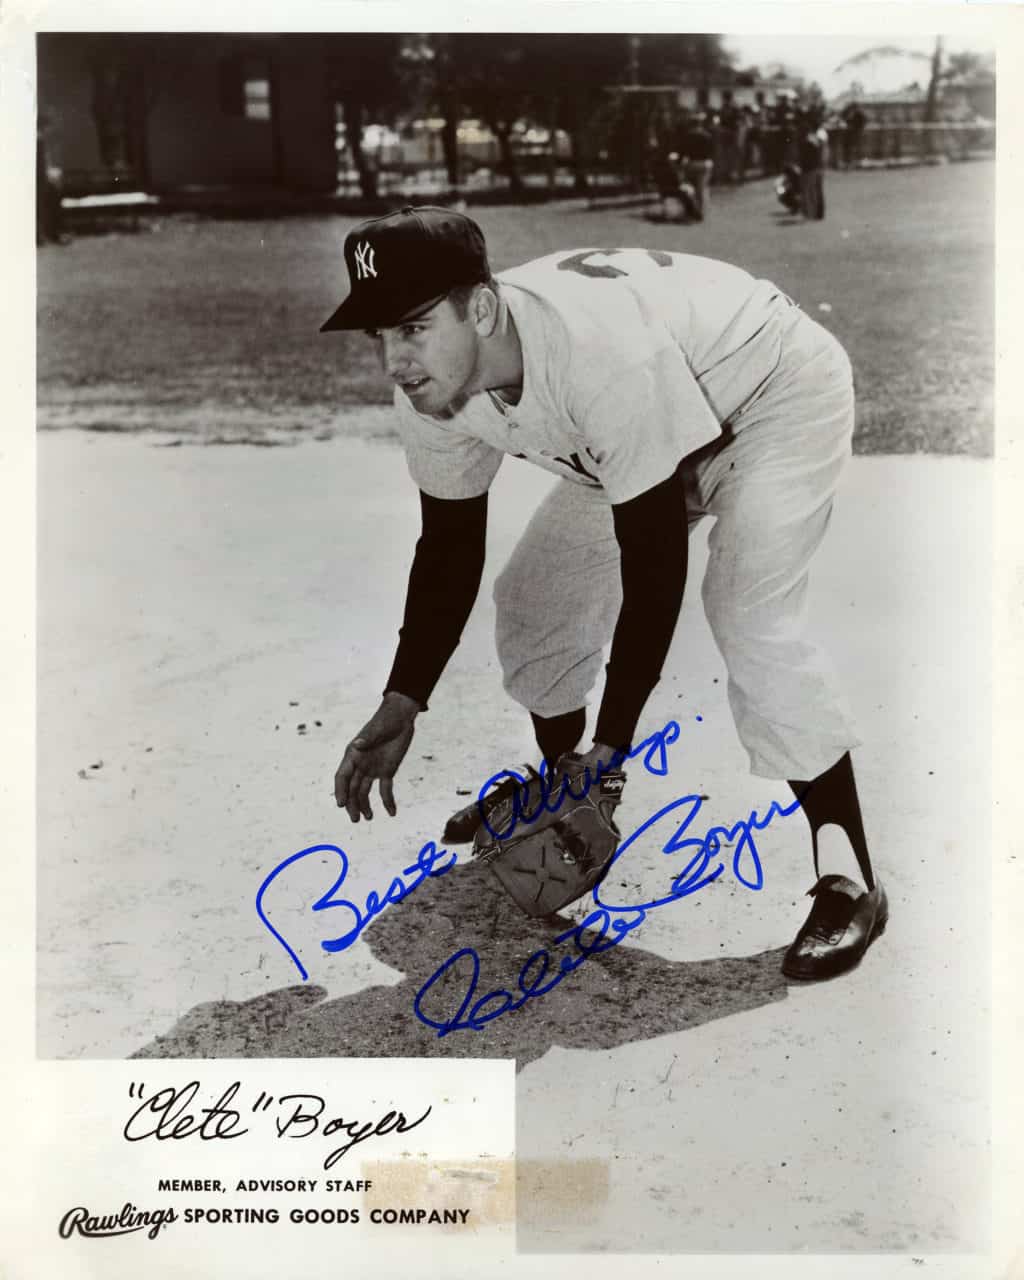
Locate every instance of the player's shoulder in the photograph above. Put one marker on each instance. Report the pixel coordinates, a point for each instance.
(587, 262)
(634, 266)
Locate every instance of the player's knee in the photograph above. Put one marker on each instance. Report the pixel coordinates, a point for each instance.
(513, 639)
(516, 687)
(521, 614)
(508, 591)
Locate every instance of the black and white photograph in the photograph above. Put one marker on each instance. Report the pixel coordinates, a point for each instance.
(514, 562)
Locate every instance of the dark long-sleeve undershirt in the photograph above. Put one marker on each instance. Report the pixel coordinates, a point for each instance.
(443, 585)
(651, 530)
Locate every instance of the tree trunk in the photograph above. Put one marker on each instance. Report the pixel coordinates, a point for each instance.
(580, 178)
(507, 161)
(448, 98)
(552, 144)
(450, 139)
(637, 147)
(577, 151)
(353, 110)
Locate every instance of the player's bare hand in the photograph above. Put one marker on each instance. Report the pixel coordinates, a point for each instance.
(374, 755)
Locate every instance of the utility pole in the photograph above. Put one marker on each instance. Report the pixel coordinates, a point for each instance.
(932, 100)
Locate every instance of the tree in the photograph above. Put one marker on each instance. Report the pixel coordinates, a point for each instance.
(365, 80)
(683, 59)
(970, 66)
(570, 76)
(125, 73)
(959, 65)
(669, 60)
(497, 83)
(429, 72)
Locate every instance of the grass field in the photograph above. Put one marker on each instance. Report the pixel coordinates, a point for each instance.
(208, 329)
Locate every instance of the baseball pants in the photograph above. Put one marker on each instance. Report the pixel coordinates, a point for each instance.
(698, 175)
(769, 486)
(812, 193)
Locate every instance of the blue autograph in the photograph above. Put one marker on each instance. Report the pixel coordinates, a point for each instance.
(399, 888)
(552, 796)
(591, 935)
(655, 761)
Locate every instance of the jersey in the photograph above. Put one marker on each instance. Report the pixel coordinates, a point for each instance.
(632, 360)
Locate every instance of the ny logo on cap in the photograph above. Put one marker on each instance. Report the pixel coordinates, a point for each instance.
(365, 261)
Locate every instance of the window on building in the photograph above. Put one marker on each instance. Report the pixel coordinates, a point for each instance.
(245, 88)
(256, 93)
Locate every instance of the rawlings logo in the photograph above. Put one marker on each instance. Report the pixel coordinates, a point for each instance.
(365, 261)
(129, 1220)
(612, 784)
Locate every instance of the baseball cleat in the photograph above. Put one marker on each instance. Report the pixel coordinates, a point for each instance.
(461, 827)
(842, 924)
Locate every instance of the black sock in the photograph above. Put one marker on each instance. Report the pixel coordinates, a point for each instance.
(558, 734)
(832, 797)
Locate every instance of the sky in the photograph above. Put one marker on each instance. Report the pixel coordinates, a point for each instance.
(817, 56)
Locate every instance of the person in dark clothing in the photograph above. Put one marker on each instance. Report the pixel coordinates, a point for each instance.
(731, 126)
(698, 163)
(789, 189)
(672, 188)
(856, 122)
(789, 134)
(813, 143)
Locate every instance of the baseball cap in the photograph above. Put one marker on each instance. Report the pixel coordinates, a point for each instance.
(404, 260)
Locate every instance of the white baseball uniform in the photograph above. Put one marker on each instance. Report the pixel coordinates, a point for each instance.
(634, 360)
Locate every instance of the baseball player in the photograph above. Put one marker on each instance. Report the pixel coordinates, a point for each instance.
(660, 388)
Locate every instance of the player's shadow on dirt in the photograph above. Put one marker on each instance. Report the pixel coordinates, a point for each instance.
(613, 998)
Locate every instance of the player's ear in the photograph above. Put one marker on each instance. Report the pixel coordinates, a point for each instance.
(485, 310)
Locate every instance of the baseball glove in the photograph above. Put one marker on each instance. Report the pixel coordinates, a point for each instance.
(546, 855)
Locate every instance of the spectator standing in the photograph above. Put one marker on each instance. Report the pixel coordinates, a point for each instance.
(835, 128)
(789, 136)
(772, 139)
(855, 121)
(813, 158)
(730, 118)
(753, 157)
(698, 150)
(742, 131)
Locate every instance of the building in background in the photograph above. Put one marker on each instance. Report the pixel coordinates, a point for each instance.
(168, 112)
(744, 89)
(959, 101)
(249, 119)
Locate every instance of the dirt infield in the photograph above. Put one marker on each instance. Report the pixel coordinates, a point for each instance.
(210, 636)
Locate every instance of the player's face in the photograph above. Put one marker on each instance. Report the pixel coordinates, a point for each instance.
(433, 357)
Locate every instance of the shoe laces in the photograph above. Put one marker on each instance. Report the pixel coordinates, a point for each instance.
(830, 916)
(507, 787)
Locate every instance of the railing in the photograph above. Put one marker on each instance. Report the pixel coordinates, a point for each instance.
(917, 143)
(766, 151)
(881, 144)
